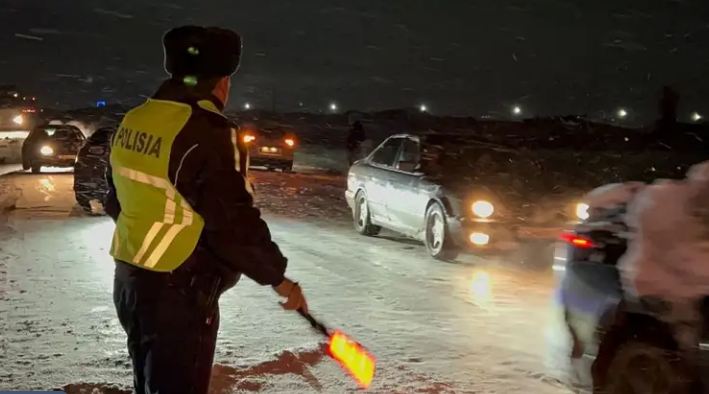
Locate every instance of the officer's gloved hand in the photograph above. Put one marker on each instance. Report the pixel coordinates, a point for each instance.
(291, 291)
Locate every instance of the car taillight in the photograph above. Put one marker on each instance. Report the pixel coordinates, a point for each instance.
(290, 142)
(577, 241)
(249, 138)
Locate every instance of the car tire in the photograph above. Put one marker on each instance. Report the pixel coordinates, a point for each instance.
(641, 367)
(84, 203)
(361, 217)
(36, 168)
(288, 167)
(437, 238)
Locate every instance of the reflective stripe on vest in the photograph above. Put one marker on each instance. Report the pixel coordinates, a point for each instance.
(168, 218)
(156, 229)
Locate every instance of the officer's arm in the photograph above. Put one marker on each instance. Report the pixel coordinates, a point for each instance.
(234, 229)
(111, 204)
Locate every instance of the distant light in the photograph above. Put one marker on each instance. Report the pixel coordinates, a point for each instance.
(423, 108)
(15, 95)
(247, 106)
(333, 106)
(516, 110)
(101, 103)
(622, 113)
(34, 98)
(696, 117)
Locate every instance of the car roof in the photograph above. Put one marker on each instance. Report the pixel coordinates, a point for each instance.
(436, 138)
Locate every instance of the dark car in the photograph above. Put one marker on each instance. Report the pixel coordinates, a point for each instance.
(456, 192)
(51, 145)
(270, 148)
(90, 170)
(621, 343)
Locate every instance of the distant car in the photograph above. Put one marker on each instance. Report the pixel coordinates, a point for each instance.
(16, 114)
(457, 193)
(17, 117)
(51, 145)
(270, 148)
(90, 170)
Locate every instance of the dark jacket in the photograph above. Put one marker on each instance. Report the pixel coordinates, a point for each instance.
(202, 167)
(355, 137)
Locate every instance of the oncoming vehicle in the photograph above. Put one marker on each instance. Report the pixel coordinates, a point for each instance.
(270, 148)
(90, 186)
(51, 145)
(458, 193)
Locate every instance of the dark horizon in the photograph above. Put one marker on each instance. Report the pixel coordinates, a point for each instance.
(461, 58)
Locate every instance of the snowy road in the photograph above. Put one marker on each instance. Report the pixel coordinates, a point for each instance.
(474, 326)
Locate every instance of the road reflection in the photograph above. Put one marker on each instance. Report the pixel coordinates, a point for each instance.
(481, 288)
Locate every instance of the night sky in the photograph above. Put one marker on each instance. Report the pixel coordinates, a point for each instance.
(457, 56)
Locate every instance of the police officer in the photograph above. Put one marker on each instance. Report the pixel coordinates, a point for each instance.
(186, 228)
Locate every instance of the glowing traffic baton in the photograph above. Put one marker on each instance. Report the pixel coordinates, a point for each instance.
(349, 354)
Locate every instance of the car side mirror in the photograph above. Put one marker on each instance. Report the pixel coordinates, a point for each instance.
(408, 166)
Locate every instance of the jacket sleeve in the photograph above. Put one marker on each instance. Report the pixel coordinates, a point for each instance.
(111, 204)
(234, 229)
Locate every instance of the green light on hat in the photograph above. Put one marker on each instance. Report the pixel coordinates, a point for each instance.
(194, 51)
(190, 80)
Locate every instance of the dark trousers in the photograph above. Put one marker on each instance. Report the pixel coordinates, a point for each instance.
(172, 330)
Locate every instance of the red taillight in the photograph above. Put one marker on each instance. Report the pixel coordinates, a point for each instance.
(577, 241)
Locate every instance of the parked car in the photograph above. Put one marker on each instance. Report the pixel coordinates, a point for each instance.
(51, 145)
(621, 343)
(458, 193)
(90, 170)
(270, 148)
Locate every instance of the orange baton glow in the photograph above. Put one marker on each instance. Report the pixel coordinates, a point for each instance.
(353, 358)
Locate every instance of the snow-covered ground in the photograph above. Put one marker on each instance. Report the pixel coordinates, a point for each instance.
(479, 326)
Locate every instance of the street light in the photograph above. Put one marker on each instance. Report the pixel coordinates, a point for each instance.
(333, 107)
(622, 113)
(423, 108)
(516, 110)
(696, 117)
(247, 106)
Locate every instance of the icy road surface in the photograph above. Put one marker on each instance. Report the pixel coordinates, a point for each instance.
(474, 326)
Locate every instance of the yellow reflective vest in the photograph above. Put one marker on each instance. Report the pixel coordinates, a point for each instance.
(157, 229)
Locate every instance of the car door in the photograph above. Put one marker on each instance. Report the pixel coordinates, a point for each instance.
(409, 201)
(377, 181)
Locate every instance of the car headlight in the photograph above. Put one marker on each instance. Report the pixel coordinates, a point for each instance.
(582, 211)
(483, 209)
(46, 150)
(19, 119)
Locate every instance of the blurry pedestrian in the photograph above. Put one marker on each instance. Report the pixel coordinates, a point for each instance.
(355, 139)
(186, 227)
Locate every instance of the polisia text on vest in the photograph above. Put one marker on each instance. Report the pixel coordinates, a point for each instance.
(138, 141)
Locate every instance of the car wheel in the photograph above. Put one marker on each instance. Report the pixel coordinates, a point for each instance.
(362, 218)
(84, 203)
(288, 167)
(36, 168)
(640, 367)
(437, 238)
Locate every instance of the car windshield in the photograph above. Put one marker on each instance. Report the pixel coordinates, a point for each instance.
(63, 133)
